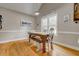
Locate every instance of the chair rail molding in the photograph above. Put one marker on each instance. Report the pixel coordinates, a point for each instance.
(68, 32)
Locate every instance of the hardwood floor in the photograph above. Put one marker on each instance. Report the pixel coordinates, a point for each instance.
(16, 48)
(60, 50)
(23, 48)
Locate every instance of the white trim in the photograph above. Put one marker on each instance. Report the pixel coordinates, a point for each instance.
(66, 32)
(69, 46)
(13, 31)
(12, 40)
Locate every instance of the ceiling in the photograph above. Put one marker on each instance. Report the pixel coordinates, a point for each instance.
(51, 6)
(26, 8)
(31, 8)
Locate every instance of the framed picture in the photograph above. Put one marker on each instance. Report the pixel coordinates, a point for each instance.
(66, 18)
(0, 21)
(0, 26)
(25, 23)
(76, 11)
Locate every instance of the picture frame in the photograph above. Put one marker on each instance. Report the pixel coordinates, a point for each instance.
(76, 12)
(25, 23)
(66, 18)
(0, 21)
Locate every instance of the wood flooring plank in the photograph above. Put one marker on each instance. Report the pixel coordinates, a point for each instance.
(23, 48)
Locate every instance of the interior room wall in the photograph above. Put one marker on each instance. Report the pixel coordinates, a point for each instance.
(46, 9)
(67, 32)
(11, 24)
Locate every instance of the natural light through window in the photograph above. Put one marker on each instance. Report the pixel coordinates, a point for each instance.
(48, 22)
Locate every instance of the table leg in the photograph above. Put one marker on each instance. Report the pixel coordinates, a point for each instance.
(51, 45)
(44, 38)
(43, 47)
(29, 37)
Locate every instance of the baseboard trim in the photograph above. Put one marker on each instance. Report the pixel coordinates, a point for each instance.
(12, 40)
(67, 46)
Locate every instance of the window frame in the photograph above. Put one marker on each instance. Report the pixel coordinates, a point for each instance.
(48, 25)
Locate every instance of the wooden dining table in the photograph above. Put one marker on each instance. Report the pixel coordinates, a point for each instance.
(43, 37)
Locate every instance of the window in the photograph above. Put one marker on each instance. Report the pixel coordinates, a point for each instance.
(44, 25)
(48, 22)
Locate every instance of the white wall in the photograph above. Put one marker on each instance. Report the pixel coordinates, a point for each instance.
(46, 9)
(11, 24)
(70, 25)
(12, 20)
(68, 32)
